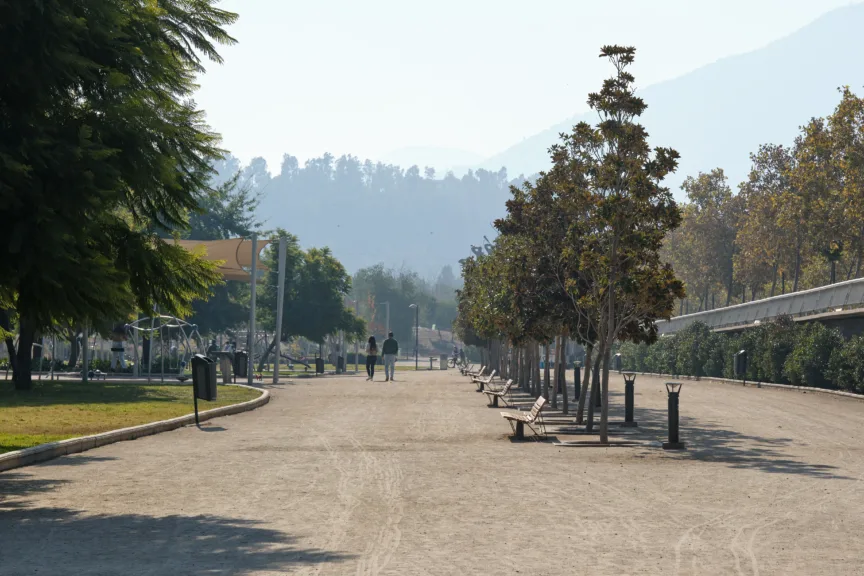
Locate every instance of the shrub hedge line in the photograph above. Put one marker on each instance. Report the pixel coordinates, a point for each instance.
(780, 351)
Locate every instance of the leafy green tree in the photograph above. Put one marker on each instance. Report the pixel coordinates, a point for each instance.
(316, 290)
(374, 285)
(229, 211)
(617, 179)
(101, 146)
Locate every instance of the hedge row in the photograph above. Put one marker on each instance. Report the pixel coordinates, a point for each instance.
(779, 351)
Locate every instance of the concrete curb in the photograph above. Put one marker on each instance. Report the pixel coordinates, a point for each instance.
(758, 385)
(43, 452)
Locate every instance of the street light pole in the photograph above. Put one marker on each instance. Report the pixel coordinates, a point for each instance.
(253, 276)
(356, 351)
(416, 336)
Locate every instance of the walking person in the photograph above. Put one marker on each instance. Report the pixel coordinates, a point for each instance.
(371, 357)
(390, 349)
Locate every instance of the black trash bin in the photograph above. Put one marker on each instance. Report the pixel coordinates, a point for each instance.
(319, 365)
(204, 377)
(241, 364)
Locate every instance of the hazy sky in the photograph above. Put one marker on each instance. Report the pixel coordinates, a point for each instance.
(368, 77)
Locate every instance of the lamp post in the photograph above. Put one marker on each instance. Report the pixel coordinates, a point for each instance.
(416, 335)
(356, 351)
(387, 323)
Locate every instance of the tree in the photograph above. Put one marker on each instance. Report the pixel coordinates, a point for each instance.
(101, 146)
(709, 227)
(617, 179)
(375, 285)
(316, 288)
(228, 212)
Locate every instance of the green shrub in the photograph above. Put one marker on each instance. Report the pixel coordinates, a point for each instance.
(807, 364)
(846, 366)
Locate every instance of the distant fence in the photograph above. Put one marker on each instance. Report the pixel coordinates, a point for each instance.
(833, 298)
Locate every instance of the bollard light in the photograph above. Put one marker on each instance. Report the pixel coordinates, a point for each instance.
(740, 365)
(674, 443)
(629, 399)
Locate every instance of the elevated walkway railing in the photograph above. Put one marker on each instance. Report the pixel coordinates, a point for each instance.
(833, 298)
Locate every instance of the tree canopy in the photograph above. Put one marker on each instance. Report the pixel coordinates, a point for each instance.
(101, 146)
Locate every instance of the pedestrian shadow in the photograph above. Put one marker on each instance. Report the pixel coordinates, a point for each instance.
(132, 544)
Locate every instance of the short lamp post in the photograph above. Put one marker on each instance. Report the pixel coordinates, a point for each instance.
(416, 335)
(674, 443)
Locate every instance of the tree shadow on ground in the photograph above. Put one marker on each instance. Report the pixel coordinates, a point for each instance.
(73, 460)
(132, 544)
(710, 441)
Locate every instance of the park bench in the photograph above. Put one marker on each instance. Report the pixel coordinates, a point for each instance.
(475, 373)
(518, 420)
(481, 382)
(503, 394)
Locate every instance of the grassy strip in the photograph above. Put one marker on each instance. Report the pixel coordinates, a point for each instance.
(58, 410)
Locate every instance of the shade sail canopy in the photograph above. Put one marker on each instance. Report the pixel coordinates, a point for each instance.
(235, 255)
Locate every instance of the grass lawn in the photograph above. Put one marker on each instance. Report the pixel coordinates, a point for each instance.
(59, 410)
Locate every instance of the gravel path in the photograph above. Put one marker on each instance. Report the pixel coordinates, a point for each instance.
(343, 476)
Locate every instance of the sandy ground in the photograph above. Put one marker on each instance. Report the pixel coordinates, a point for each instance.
(341, 476)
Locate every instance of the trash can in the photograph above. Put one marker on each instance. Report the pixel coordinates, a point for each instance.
(241, 364)
(319, 365)
(204, 377)
(444, 362)
(340, 364)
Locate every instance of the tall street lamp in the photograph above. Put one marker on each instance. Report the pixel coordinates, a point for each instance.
(387, 322)
(416, 335)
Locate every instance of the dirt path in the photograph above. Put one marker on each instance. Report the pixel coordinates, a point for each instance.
(341, 476)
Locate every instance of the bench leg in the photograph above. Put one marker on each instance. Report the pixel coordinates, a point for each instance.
(482, 386)
(520, 431)
(494, 401)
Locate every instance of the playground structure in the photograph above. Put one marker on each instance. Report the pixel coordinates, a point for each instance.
(159, 324)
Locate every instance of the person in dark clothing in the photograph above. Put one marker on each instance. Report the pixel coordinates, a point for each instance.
(390, 350)
(371, 357)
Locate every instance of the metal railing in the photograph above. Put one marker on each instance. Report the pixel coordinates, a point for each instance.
(832, 298)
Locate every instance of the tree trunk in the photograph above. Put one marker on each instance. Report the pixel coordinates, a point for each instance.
(580, 409)
(774, 281)
(729, 290)
(550, 388)
(546, 370)
(595, 390)
(6, 324)
(74, 348)
(604, 396)
(563, 364)
(23, 374)
(267, 353)
(797, 269)
(535, 373)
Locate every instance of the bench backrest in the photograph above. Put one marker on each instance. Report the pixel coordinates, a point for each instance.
(535, 410)
(491, 376)
(507, 387)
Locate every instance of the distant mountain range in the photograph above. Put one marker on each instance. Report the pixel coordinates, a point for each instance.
(717, 115)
